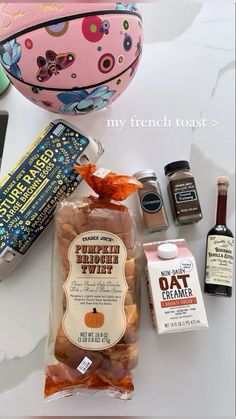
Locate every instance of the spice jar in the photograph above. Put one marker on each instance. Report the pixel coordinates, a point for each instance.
(182, 192)
(151, 201)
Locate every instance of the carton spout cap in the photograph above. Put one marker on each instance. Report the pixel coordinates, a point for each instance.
(167, 251)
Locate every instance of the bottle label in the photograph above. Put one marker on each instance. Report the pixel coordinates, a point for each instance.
(151, 202)
(185, 197)
(95, 290)
(219, 262)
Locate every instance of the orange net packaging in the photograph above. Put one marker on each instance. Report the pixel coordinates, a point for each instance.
(95, 310)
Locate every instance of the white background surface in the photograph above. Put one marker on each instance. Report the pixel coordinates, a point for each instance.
(187, 71)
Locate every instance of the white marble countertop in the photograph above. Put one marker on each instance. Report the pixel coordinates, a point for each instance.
(187, 72)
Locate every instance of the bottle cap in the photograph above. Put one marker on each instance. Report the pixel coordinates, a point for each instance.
(223, 180)
(145, 174)
(167, 251)
(176, 165)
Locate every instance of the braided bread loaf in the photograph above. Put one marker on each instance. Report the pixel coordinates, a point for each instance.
(110, 367)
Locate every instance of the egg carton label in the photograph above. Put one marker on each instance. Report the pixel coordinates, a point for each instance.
(32, 189)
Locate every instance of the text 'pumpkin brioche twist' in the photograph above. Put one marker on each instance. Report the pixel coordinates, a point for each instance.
(96, 290)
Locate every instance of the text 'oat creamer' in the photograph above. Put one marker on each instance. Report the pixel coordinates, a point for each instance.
(175, 295)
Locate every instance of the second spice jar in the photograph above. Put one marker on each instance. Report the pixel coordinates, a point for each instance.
(183, 194)
(151, 201)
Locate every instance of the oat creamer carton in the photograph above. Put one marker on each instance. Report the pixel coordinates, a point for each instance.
(175, 295)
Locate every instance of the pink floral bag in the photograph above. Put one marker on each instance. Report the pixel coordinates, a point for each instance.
(70, 57)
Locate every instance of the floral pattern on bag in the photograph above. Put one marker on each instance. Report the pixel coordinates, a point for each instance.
(76, 62)
(81, 102)
(126, 6)
(53, 63)
(10, 55)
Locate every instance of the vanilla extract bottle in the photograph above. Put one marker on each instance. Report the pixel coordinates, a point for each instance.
(220, 248)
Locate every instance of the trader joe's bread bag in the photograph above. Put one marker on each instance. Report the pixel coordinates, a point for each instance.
(96, 291)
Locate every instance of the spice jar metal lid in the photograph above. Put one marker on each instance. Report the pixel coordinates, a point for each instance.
(145, 174)
(176, 165)
(167, 251)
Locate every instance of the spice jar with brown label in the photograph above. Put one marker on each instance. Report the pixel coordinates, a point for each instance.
(151, 201)
(183, 194)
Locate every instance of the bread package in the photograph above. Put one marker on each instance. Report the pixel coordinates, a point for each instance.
(95, 291)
